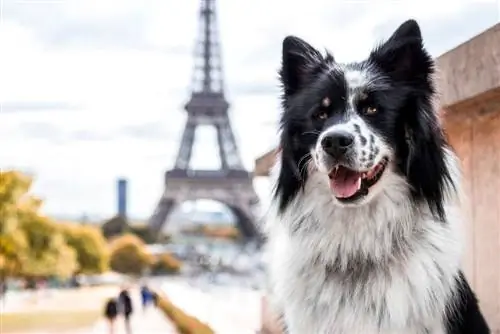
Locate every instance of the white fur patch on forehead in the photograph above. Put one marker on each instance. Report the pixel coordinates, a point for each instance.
(356, 78)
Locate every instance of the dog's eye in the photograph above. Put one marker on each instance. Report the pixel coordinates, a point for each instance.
(322, 114)
(370, 110)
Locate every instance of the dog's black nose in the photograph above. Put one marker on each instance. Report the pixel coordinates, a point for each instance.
(337, 143)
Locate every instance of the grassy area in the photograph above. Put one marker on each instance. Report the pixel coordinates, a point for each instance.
(50, 321)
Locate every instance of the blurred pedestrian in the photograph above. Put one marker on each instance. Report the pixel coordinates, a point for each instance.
(3, 289)
(110, 313)
(145, 296)
(126, 308)
(154, 297)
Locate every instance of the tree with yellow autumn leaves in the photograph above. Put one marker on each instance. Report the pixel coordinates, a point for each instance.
(32, 245)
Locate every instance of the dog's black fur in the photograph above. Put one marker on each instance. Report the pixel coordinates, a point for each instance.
(401, 86)
(415, 133)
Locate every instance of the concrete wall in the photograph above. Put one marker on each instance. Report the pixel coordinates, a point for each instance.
(474, 133)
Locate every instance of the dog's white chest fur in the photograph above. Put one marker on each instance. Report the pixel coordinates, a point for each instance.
(383, 268)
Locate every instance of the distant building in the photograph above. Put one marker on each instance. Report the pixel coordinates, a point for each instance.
(122, 197)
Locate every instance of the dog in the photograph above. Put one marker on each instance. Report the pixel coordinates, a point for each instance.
(364, 235)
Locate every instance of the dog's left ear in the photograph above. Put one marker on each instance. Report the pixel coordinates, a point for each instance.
(402, 56)
(299, 60)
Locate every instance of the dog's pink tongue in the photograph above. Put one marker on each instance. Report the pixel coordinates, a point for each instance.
(345, 183)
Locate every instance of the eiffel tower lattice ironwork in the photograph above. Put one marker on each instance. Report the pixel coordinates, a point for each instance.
(231, 184)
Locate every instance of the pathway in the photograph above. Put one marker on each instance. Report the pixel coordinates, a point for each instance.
(227, 310)
(150, 322)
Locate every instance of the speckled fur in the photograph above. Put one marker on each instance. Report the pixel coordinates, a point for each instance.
(387, 261)
(386, 267)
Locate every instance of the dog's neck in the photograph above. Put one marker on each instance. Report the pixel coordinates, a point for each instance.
(390, 218)
(330, 252)
(375, 231)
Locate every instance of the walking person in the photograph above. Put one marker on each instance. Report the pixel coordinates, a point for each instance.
(145, 296)
(3, 289)
(110, 313)
(154, 298)
(127, 309)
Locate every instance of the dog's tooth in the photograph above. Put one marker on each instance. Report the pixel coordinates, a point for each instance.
(358, 183)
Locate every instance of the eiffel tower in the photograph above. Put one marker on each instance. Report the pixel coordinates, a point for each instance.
(231, 184)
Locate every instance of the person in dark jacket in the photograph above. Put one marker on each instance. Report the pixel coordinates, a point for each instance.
(154, 297)
(110, 313)
(3, 289)
(126, 308)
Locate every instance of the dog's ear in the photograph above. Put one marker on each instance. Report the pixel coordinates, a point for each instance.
(402, 56)
(299, 60)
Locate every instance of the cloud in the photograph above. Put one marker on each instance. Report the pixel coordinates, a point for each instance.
(146, 130)
(59, 24)
(92, 90)
(443, 34)
(39, 130)
(88, 135)
(35, 106)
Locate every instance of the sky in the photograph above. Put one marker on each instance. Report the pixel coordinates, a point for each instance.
(93, 90)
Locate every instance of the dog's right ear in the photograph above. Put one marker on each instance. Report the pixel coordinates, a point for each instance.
(299, 60)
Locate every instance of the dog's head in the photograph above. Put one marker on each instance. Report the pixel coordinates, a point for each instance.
(358, 123)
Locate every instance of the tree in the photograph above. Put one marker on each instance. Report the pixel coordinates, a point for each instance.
(223, 232)
(31, 245)
(48, 252)
(114, 227)
(129, 255)
(13, 246)
(167, 264)
(90, 246)
(217, 231)
(144, 232)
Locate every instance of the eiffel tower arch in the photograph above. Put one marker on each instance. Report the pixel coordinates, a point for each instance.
(231, 184)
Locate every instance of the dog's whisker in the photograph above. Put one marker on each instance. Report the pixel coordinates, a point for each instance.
(305, 156)
(314, 132)
(304, 167)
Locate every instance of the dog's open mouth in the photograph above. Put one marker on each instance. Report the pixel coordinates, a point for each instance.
(348, 185)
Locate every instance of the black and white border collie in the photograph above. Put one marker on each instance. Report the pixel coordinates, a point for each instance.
(365, 232)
